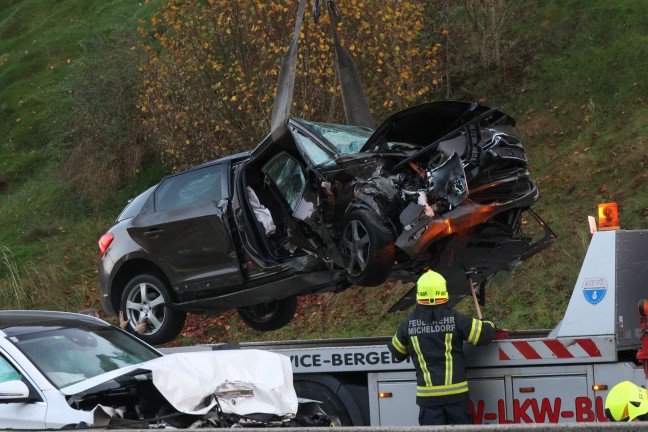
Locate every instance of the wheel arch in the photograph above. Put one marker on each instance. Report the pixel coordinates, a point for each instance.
(128, 271)
(365, 202)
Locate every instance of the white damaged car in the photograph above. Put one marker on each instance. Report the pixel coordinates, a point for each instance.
(66, 370)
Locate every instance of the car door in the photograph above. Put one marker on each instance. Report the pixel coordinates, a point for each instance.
(19, 415)
(288, 180)
(188, 233)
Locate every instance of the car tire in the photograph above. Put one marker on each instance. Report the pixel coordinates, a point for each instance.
(330, 402)
(145, 300)
(269, 316)
(368, 247)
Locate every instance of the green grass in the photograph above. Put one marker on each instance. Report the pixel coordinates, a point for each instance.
(580, 103)
(49, 234)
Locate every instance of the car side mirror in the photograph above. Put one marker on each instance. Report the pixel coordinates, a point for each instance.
(13, 391)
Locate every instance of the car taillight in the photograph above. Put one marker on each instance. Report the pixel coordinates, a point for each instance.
(105, 241)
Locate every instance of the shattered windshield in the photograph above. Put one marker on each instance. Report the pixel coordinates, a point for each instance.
(70, 355)
(346, 139)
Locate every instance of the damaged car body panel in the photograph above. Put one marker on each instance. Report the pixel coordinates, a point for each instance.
(434, 171)
(74, 371)
(323, 207)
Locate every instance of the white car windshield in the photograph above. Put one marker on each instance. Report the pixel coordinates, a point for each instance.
(70, 355)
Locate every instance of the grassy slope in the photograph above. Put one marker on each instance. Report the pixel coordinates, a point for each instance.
(581, 109)
(48, 238)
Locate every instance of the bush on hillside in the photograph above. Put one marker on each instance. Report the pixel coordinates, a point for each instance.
(212, 71)
(104, 131)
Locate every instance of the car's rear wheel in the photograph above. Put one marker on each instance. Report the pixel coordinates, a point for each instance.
(368, 247)
(269, 316)
(145, 301)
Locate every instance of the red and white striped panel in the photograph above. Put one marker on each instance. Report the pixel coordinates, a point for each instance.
(548, 349)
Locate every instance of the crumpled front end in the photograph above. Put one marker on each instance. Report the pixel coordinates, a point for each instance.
(207, 389)
(459, 179)
(464, 186)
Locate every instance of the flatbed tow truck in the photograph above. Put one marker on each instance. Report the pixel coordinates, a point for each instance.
(543, 376)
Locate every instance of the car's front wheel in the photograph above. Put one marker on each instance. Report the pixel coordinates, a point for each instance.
(368, 247)
(269, 316)
(144, 306)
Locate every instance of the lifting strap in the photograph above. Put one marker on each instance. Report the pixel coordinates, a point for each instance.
(356, 107)
(286, 84)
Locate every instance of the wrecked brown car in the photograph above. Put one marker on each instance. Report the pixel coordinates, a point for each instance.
(322, 207)
(442, 184)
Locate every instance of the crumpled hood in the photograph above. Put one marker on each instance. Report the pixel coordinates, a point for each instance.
(244, 381)
(423, 124)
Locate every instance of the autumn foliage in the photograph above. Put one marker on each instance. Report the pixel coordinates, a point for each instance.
(212, 66)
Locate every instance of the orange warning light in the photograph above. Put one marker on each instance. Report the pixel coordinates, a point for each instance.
(608, 216)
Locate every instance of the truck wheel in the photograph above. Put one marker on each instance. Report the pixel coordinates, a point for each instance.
(368, 247)
(331, 403)
(269, 316)
(145, 301)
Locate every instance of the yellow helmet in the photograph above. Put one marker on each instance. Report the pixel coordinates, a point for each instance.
(625, 402)
(431, 289)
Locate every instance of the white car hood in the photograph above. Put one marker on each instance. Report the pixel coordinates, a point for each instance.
(244, 381)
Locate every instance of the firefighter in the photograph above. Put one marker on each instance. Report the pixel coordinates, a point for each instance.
(433, 336)
(627, 402)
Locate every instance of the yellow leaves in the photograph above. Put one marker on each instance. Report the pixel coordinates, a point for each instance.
(228, 77)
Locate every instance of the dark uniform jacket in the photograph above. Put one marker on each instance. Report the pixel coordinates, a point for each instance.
(433, 337)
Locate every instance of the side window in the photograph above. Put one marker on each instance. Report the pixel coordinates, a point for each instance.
(7, 371)
(289, 177)
(192, 188)
(135, 205)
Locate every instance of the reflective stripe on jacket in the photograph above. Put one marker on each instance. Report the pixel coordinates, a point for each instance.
(433, 336)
